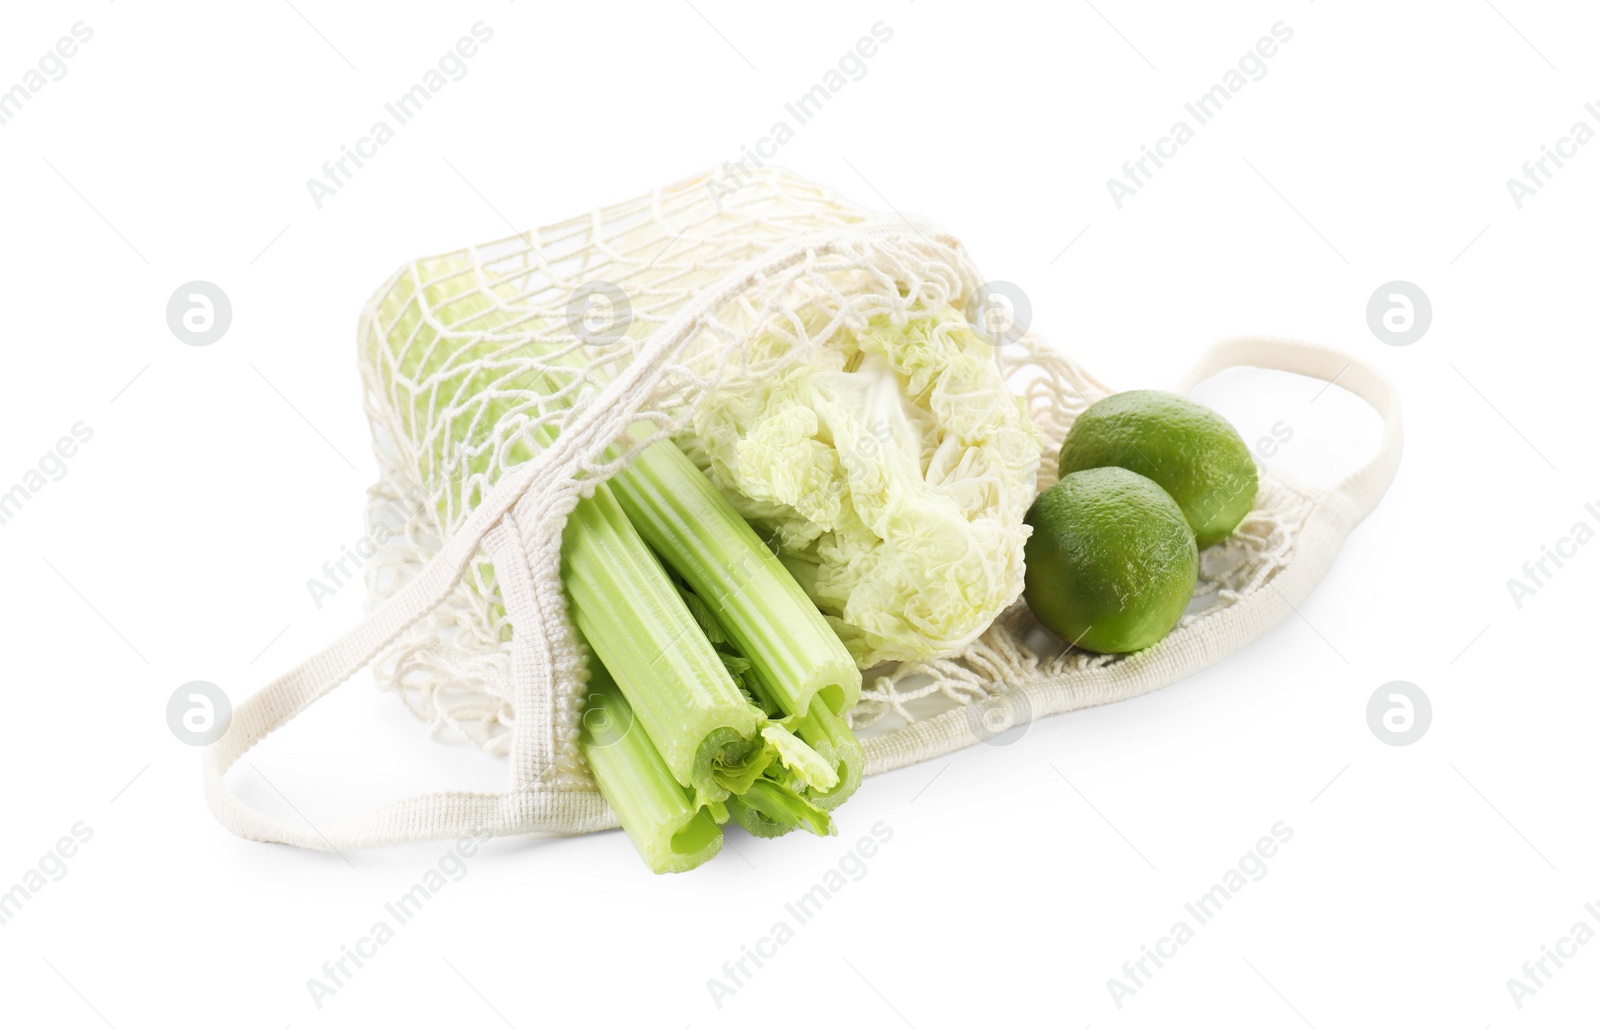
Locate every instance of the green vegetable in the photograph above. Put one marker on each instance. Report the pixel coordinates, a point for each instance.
(751, 602)
(634, 620)
(893, 468)
(735, 684)
(671, 831)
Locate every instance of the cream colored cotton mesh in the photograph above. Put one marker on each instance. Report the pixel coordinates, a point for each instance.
(673, 253)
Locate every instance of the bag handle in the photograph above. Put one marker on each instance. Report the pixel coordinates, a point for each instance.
(497, 524)
(1364, 487)
(430, 816)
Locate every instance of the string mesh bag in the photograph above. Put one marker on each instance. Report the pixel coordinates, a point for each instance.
(497, 400)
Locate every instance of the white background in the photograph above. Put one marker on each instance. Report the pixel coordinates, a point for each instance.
(177, 547)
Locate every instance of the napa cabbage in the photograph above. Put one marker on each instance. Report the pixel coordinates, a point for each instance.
(891, 469)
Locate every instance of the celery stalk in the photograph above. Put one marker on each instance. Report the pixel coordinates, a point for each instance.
(628, 610)
(797, 659)
(769, 617)
(670, 830)
(827, 734)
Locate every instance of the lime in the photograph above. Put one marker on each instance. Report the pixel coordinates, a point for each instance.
(1191, 451)
(1111, 563)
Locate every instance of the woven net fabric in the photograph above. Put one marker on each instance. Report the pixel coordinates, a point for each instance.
(692, 272)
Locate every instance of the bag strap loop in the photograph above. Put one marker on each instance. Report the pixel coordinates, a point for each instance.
(1364, 487)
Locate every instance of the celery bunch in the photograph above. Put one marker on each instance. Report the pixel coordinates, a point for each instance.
(717, 689)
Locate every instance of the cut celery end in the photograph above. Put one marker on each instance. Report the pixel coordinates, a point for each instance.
(670, 830)
(770, 809)
(828, 735)
(757, 824)
(791, 648)
(800, 758)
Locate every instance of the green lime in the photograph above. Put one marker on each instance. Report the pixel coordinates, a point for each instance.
(1111, 563)
(1193, 452)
